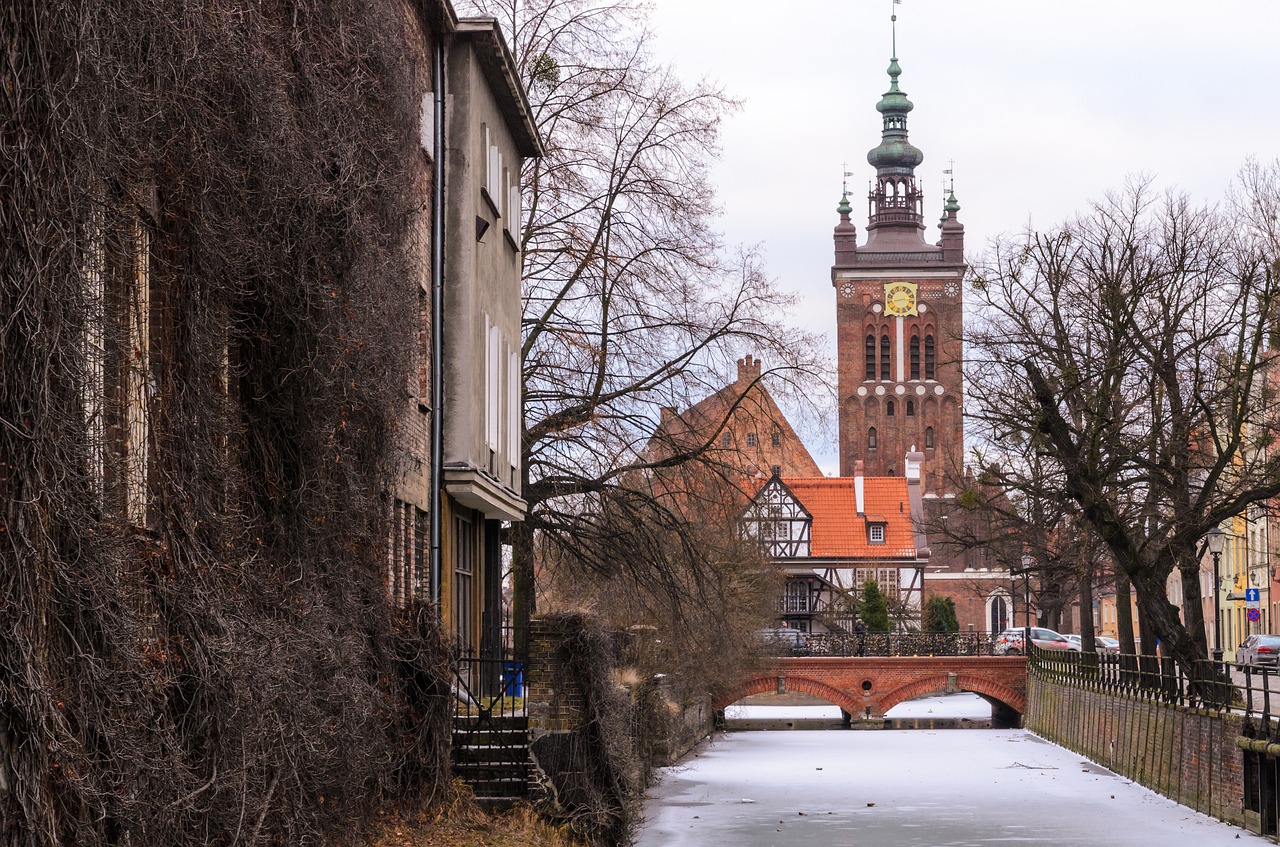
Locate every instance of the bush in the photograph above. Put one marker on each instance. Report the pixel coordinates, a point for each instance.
(875, 608)
(939, 615)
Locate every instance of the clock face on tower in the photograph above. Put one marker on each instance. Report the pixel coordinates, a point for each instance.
(900, 298)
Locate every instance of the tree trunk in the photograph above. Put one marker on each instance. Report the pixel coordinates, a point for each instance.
(1124, 628)
(1088, 642)
(524, 599)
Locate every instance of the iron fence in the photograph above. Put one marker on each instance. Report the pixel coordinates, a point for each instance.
(885, 644)
(1218, 686)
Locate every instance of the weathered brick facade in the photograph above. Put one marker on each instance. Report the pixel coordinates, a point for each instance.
(899, 318)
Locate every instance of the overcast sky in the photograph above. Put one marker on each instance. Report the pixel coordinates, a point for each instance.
(1043, 105)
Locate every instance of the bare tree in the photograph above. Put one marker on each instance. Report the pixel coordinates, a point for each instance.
(1125, 350)
(631, 302)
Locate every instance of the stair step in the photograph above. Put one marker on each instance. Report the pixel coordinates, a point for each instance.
(514, 756)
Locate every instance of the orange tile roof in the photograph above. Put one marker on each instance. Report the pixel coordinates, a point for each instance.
(838, 530)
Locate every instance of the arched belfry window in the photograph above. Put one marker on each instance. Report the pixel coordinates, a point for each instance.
(928, 438)
(884, 358)
(871, 357)
(929, 360)
(871, 438)
(915, 357)
(911, 408)
(888, 409)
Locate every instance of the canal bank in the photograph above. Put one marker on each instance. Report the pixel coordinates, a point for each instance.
(918, 788)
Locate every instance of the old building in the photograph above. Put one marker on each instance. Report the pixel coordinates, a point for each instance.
(829, 536)
(741, 438)
(899, 326)
(899, 316)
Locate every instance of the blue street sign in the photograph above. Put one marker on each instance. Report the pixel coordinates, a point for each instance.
(1252, 595)
(1254, 615)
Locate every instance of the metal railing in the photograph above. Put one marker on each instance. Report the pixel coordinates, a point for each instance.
(887, 644)
(795, 605)
(485, 689)
(1218, 686)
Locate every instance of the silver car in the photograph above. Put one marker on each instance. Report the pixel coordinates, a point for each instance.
(1262, 650)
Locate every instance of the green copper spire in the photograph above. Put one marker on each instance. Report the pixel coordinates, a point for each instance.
(895, 155)
(952, 205)
(844, 208)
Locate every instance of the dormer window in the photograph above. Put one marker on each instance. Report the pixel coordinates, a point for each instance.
(875, 533)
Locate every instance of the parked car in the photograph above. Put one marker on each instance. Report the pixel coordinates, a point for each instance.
(785, 641)
(1259, 650)
(1107, 644)
(1009, 642)
(1101, 643)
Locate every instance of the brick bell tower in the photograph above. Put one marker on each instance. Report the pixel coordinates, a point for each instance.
(899, 318)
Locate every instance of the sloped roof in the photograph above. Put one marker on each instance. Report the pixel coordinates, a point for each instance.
(838, 530)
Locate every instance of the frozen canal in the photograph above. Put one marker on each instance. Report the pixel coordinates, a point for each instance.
(911, 788)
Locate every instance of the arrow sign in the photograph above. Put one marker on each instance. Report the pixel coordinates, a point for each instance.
(1252, 596)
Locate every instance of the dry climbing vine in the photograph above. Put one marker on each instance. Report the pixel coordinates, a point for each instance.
(219, 667)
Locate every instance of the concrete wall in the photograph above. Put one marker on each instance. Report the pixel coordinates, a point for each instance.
(1187, 755)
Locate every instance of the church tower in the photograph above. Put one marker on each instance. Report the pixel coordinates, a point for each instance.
(899, 318)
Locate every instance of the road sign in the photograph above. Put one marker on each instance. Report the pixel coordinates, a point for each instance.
(1252, 597)
(1254, 615)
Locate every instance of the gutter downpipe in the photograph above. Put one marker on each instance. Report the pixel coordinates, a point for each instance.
(437, 324)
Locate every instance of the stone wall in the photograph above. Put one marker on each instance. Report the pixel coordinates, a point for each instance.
(1187, 755)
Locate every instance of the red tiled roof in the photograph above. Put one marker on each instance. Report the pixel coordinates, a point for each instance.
(838, 530)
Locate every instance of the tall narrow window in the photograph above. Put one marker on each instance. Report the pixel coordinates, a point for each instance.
(888, 409)
(911, 408)
(776, 438)
(928, 357)
(928, 438)
(915, 357)
(751, 439)
(726, 439)
(884, 358)
(871, 358)
(462, 574)
(871, 438)
(999, 620)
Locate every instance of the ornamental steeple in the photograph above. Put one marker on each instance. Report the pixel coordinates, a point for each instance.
(895, 201)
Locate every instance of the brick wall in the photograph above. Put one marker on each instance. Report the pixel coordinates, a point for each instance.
(879, 684)
(1185, 754)
(554, 700)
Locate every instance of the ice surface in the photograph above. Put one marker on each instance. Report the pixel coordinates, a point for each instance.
(911, 788)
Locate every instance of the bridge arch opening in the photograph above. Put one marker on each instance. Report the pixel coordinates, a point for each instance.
(1007, 704)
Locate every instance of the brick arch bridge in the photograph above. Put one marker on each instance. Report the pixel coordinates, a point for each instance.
(879, 684)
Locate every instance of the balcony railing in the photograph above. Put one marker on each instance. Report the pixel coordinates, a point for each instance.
(796, 605)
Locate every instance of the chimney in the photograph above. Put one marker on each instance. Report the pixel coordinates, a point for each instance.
(748, 368)
(912, 466)
(857, 487)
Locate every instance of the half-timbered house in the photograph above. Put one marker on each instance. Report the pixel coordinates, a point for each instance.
(830, 536)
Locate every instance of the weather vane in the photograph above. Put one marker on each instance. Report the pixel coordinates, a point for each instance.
(951, 172)
(844, 183)
(893, 25)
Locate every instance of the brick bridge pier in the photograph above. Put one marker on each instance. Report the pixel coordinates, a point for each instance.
(867, 687)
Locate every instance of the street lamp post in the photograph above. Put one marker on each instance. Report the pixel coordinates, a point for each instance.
(1026, 603)
(1216, 540)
